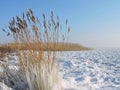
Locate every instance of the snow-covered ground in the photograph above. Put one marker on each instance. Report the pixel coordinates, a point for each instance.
(90, 70)
(86, 70)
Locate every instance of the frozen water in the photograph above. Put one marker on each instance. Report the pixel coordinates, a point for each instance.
(91, 70)
(86, 70)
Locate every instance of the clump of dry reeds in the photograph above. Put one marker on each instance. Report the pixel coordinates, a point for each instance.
(40, 69)
(60, 47)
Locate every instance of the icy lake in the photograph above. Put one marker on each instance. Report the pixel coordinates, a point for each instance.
(91, 70)
(87, 70)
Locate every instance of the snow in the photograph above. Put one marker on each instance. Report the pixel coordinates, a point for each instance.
(86, 70)
(90, 70)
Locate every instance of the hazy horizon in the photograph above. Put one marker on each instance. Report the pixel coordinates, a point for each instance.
(94, 23)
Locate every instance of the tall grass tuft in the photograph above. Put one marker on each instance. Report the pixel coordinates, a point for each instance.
(39, 67)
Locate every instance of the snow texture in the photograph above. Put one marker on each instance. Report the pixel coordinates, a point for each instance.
(90, 70)
(86, 70)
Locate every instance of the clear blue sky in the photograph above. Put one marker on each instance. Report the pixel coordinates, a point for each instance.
(94, 23)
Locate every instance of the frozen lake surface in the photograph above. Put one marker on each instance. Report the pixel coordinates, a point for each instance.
(90, 70)
(87, 70)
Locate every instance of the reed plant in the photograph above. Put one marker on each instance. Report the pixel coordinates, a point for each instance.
(38, 68)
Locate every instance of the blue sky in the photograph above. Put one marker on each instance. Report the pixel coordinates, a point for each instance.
(94, 23)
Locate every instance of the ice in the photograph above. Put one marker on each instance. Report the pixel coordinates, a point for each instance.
(84, 70)
(92, 70)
